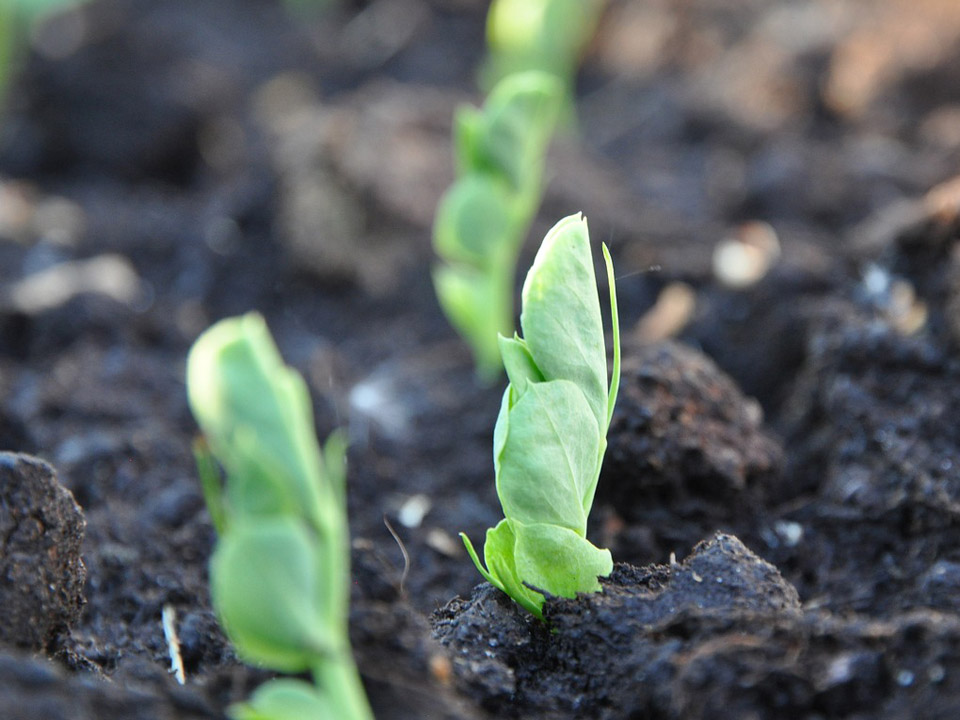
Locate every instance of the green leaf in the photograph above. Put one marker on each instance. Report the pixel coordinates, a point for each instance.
(284, 700)
(518, 362)
(547, 35)
(264, 580)
(473, 218)
(561, 318)
(615, 321)
(257, 483)
(471, 551)
(558, 560)
(502, 427)
(519, 118)
(498, 551)
(467, 127)
(256, 415)
(549, 460)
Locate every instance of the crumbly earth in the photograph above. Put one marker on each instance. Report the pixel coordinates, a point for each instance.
(166, 163)
(687, 452)
(41, 531)
(613, 653)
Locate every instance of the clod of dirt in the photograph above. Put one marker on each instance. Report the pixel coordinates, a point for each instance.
(686, 448)
(823, 666)
(41, 531)
(612, 654)
(873, 470)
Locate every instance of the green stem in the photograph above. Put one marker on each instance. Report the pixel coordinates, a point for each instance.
(339, 681)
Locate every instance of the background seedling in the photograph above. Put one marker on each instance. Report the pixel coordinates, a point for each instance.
(544, 35)
(280, 575)
(483, 218)
(550, 436)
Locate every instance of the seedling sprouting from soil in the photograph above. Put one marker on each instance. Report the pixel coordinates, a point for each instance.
(484, 217)
(280, 575)
(551, 432)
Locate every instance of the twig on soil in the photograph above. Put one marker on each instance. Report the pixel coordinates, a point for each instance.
(169, 619)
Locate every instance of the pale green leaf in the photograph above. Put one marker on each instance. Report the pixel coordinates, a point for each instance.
(558, 560)
(518, 362)
(472, 222)
(471, 551)
(546, 35)
(615, 321)
(498, 551)
(467, 126)
(519, 118)
(264, 579)
(284, 699)
(255, 413)
(501, 429)
(561, 318)
(550, 456)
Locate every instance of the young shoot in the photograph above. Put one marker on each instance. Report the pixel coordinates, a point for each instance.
(280, 574)
(544, 35)
(551, 433)
(484, 216)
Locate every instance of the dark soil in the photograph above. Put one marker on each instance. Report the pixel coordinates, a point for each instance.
(42, 530)
(166, 163)
(647, 619)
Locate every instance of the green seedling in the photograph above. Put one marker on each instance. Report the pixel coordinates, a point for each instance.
(544, 35)
(280, 574)
(485, 215)
(551, 432)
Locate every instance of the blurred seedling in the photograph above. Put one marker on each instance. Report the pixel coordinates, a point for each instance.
(280, 574)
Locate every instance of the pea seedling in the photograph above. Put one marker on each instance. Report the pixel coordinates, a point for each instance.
(280, 575)
(545, 35)
(484, 216)
(551, 433)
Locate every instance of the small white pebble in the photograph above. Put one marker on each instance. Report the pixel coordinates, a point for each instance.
(110, 275)
(840, 669)
(790, 532)
(743, 259)
(413, 510)
(444, 543)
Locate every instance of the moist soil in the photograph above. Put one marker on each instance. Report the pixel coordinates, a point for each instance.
(782, 486)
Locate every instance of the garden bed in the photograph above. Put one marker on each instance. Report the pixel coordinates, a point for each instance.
(782, 488)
